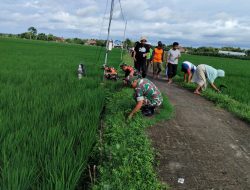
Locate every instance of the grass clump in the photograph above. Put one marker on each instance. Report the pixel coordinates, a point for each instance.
(127, 156)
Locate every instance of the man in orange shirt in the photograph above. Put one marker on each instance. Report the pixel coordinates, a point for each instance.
(157, 59)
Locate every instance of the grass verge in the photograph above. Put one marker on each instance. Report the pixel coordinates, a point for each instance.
(127, 157)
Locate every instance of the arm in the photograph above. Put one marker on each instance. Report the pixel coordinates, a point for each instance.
(134, 55)
(152, 58)
(185, 77)
(162, 58)
(178, 56)
(189, 77)
(168, 56)
(136, 109)
(214, 87)
(132, 73)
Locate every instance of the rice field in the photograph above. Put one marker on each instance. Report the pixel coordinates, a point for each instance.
(48, 118)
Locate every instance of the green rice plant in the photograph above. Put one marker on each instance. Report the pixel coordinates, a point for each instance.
(48, 118)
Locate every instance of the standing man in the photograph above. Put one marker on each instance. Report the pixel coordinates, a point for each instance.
(149, 56)
(158, 55)
(173, 56)
(140, 56)
(147, 96)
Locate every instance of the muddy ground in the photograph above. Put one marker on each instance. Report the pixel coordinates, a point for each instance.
(204, 144)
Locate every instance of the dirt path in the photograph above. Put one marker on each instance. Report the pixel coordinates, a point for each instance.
(205, 145)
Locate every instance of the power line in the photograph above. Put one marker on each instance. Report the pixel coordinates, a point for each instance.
(123, 17)
(109, 27)
(101, 29)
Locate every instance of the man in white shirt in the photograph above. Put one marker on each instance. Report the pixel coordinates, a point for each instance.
(173, 56)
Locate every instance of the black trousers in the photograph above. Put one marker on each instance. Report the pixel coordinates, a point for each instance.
(172, 70)
(141, 67)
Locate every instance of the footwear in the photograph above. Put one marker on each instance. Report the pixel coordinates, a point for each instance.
(147, 111)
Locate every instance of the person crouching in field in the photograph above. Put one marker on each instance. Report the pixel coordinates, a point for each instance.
(147, 96)
(206, 73)
(157, 57)
(173, 57)
(188, 68)
(129, 72)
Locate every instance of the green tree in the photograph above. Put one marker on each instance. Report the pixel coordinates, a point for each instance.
(50, 37)
(247, 52)
(32, 31)
(128, 43)
(25, 35)
(41, 36)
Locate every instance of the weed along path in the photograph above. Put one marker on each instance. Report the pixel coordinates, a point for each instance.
(203, 144)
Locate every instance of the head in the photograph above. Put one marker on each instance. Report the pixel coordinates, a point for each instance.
(220, 73)
(160, 45)
(143, 40)
(175, 45)
(184, 67)
(149, 44)
(123, 66)
(132, 81)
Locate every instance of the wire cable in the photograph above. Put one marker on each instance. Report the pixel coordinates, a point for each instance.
(123, 17)
(101, 29)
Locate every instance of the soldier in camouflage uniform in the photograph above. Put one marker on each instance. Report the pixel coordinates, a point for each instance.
(147, 95)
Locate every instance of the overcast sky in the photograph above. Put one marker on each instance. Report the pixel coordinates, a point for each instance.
(190, 22)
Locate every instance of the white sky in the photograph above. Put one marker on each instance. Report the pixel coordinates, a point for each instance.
(190, 22)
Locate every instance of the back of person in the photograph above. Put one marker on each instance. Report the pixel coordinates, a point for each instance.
(158, 55)
(189, 66)
(148, 89)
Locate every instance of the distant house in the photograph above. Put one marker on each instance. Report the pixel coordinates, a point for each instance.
(91, 42)
(117, 44)
(182, 49)
(59, 39)
(232, 53)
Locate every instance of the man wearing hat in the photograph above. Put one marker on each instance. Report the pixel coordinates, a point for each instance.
(140, 56)
(147, 96)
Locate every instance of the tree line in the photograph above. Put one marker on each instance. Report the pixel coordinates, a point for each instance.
(33, 34)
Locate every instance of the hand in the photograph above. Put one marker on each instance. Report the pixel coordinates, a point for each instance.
(130, 116)
(218, 91)
(135, 59)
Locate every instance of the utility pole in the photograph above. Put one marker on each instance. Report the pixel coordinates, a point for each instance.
(108, 38)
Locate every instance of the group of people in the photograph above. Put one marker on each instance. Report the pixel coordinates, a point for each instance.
(146, 58)
(147, 95)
